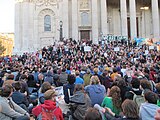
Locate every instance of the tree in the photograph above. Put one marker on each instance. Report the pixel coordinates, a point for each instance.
(2, 48)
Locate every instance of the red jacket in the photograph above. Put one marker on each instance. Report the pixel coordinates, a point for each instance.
(50, 105)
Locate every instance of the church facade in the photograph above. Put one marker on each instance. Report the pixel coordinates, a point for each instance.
(40, 23)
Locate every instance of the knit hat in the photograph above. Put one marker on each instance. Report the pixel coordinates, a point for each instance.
(49, 93)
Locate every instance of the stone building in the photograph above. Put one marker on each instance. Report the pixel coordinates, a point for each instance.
(7, 40)
(37, 22)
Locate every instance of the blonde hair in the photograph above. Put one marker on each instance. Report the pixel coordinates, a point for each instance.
(94, 80)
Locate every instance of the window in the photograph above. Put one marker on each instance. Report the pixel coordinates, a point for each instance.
(84, 19)
(47, 23)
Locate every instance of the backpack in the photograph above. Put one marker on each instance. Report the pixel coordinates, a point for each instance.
(47, 114)
(138, 99)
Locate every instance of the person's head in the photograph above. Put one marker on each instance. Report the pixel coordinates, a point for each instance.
(10, 77)
(63, 69)
(23, 77)
(94, 80)
(6, 91)
(115, 93)
(78, 87)
(17, 86)
(92, 114)
(145, 84)
(158, 88)
(30, 77)
(151, 97)
(135, 83)
(95, 70)
(77, 73)
(50, 95)
(71, 79)
(88, 71)
(114, 70)
(40, 76)
(45, 86)
(130, 109)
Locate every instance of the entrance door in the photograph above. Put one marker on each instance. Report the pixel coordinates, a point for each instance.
(85, 34)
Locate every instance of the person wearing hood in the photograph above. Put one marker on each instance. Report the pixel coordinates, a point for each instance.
(80, 102)
(49, 104)
(149, 108)
(95, 90)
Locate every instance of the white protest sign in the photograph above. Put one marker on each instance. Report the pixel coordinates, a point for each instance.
(105, 54)
(87, 48)
(151, 47)
(146, 52)
(116, 49)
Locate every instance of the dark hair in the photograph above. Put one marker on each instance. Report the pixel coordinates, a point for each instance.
(114, 70)
(10, 76)
(93, 114)
(30, 77)
(151, 97)
(6, 90)
(130, 109)
(146, 70)
(71, 79)
(23, 77)
(135, 83)
(17, 86)
(128, 95)
(55, 71)
(45, 86)
(63, 69)
(145, 84)
(158, 88)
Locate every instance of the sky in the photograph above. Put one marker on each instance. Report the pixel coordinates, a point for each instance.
(7, 15)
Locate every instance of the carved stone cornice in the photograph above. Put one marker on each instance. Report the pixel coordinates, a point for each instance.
(46, 2)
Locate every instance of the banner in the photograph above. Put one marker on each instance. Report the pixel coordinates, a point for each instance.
(116, 49)
(115, 37)
(151, 47)
(87, 48)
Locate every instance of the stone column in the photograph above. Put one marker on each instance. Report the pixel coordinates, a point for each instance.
(104, 17)
(75, 20)
(94, 22)
(133, 25)
(155, 19)
(24, 27)
(65, 19)
(123, 11)
(17, 39)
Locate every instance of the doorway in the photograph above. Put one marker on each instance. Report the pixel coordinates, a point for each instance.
(129, 27)
(85, 35)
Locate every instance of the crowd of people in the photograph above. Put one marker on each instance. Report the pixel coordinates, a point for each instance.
(100, 83)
